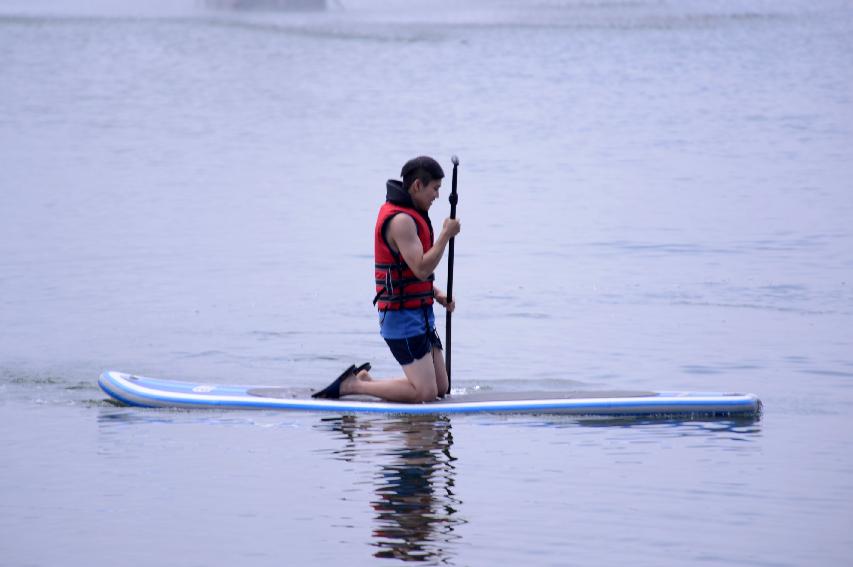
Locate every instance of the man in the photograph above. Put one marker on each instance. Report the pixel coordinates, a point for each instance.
(406, 255)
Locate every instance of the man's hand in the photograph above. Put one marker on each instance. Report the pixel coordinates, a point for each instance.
(451, 227)
(441, 298)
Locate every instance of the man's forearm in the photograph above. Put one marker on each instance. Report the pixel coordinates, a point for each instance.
(433, 257)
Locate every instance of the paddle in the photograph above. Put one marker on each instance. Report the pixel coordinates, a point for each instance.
(454, 198)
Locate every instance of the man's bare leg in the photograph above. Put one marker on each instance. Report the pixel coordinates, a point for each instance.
(419, 385)
(441, 380)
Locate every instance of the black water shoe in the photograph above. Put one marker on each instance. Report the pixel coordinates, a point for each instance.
(333, 390)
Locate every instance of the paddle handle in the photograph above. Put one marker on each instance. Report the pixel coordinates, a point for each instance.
(454, 198)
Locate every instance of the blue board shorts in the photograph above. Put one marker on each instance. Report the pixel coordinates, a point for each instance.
(410, 349)
(409, 333)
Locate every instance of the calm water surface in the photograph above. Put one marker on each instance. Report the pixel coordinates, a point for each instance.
(654, 195)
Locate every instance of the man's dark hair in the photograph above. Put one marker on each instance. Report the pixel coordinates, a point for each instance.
(424, 168)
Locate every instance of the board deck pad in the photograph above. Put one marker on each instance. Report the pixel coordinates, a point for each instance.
(478, 396)
(153, 392)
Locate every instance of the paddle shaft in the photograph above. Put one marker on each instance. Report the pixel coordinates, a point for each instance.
(454, 198)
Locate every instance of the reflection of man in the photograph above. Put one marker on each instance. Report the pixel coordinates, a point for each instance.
(415, 501)
(414, 504)
(407, 254)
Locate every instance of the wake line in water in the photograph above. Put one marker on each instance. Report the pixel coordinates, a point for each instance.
(759, 307)
(430, 25)
(326, 31)
(387, 34)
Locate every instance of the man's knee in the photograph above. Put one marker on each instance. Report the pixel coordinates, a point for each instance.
(426, 392)
(421, 375)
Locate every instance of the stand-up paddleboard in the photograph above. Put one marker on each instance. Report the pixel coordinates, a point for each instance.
(150, 392)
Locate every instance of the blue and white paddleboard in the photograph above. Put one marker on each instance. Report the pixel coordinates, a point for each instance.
(150, 392)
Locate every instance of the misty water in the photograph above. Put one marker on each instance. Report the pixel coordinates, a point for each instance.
(654, 195)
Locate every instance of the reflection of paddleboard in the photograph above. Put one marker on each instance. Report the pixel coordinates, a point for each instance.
(150, 392)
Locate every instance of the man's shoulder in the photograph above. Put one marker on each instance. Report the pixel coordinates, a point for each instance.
(402, 222)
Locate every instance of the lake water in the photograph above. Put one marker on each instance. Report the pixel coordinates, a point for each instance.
(654, 195)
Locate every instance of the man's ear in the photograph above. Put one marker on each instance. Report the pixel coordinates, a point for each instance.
(417, 185)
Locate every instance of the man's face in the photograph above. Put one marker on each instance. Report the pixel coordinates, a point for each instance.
(424, 195)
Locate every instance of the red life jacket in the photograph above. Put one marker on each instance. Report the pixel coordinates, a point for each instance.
(397, 287)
